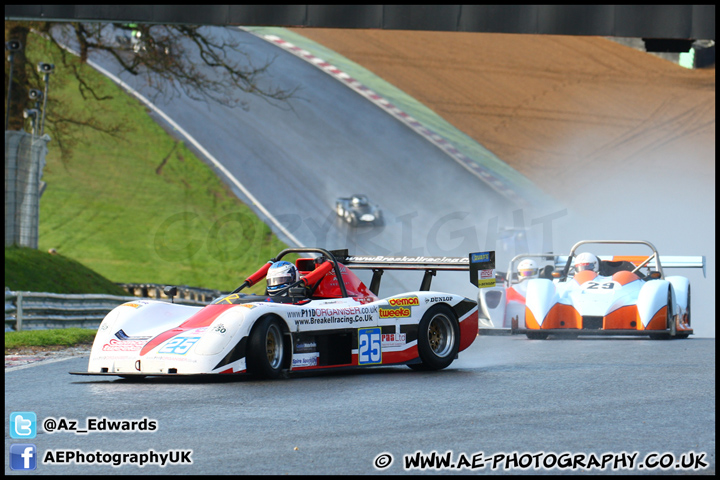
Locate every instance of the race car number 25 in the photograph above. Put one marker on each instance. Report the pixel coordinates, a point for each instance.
(369, 346)
(179, 345)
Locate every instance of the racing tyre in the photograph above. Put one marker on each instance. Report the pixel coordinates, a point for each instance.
(687, 317)
(438, 339)
(669, 318)
(266, 349)
(537, 335)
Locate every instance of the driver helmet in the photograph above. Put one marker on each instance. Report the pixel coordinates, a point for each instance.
(587, 261)
(280, 275)
(359, 200)
(527, 269)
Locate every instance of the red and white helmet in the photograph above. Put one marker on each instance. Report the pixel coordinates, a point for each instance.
(587, 261)
(527, 269)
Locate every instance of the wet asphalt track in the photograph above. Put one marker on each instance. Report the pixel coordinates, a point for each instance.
(504, 394)
(330, 142)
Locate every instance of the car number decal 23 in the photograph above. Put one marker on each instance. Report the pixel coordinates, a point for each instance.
(369, 346)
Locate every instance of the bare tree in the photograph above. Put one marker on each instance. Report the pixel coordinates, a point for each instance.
(171, 58)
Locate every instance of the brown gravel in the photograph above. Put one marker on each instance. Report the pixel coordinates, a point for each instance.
(553, 107)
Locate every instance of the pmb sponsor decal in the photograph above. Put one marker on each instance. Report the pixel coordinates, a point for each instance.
(404, 301)
(394, 312)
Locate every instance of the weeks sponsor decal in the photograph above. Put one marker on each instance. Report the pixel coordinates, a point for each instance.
(394, 312)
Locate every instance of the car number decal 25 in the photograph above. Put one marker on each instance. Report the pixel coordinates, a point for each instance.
(369, 346)
(179, 345)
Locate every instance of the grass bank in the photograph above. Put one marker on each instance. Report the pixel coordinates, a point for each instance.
(140, 207)
(136, 206)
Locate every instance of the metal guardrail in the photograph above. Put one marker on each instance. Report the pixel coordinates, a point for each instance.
(154, 290)
(40, 310)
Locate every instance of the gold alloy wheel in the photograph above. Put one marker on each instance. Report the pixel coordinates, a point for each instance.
(441, 335)
(274, 346)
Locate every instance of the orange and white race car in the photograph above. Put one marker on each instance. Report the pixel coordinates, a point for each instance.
(602, 295)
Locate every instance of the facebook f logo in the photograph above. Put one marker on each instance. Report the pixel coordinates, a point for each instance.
(23, 456)
(23, 424)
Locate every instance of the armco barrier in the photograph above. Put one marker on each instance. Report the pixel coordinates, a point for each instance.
(39, 310)
(154, 290)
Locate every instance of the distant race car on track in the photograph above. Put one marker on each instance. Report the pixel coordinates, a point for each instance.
(620, 295)
(313, 323)
(357, 210)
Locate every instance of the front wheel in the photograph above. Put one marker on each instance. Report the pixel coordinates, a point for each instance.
(438, 339)
(266, 349)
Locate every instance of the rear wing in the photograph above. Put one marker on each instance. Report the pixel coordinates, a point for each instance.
(666, 261)
(474, 263)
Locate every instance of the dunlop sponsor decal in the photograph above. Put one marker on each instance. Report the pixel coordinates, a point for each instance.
(438, 299)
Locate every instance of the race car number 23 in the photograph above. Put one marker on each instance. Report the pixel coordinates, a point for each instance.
(179, 345)
(369, 346)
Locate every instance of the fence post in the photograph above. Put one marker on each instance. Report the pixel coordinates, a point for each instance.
(18, 312)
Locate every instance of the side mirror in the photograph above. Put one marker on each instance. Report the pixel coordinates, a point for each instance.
(170, 291)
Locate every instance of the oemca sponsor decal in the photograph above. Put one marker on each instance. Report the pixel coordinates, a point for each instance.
(394, 312)
(404, 302)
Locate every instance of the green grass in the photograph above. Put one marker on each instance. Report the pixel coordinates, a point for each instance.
(134, 208)
(65, 337)
(142, 209)
(27, 269)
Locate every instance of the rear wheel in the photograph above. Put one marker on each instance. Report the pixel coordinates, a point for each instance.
(266, 349)
(438, 339)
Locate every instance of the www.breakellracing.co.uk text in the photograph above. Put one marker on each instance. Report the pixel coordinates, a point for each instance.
(524, 461)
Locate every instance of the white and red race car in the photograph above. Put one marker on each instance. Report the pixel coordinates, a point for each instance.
(629, 295)
(316, 323)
